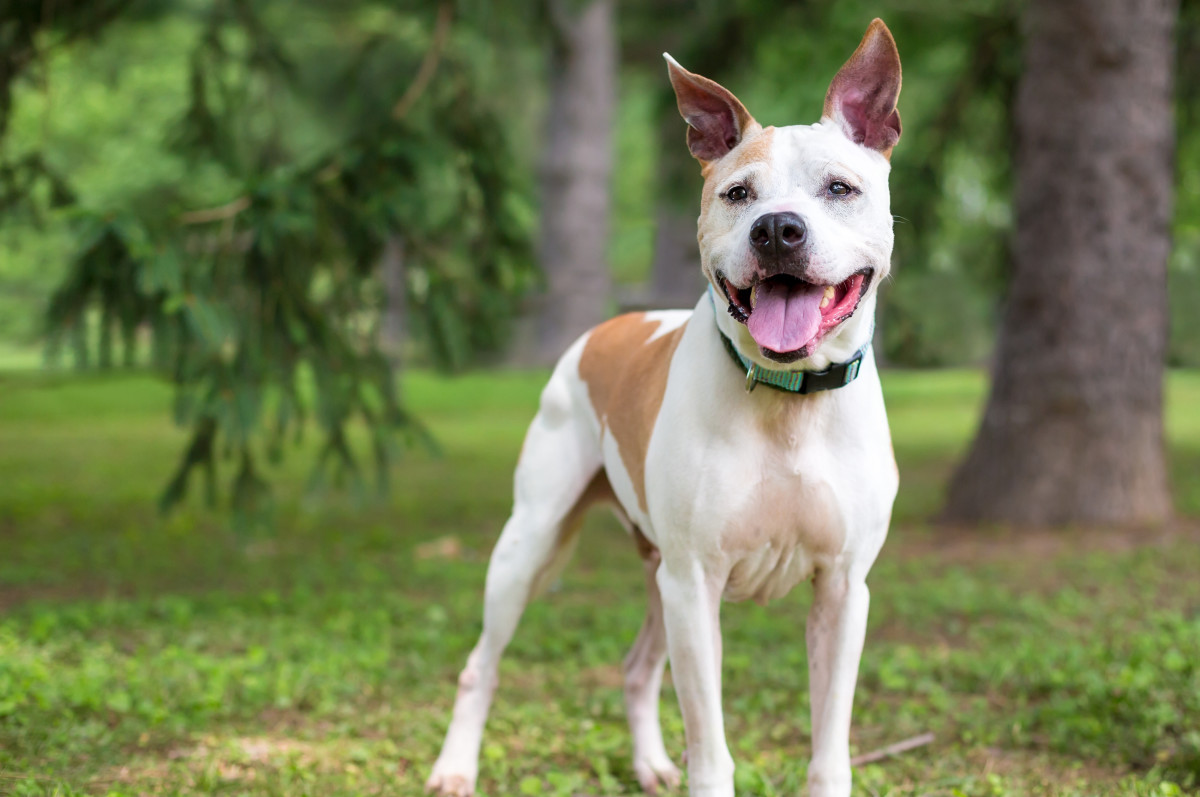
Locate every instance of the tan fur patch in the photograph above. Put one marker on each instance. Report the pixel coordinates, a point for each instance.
(626, 376)
(751, 150)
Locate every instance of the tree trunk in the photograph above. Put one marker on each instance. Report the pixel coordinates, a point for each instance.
(1073, 429)
(675, 278)
(392, 327)
(576, 172)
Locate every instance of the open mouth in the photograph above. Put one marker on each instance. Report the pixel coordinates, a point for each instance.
(786, 316)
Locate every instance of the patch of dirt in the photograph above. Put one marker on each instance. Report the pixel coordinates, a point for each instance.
(231, 759)
(1040, 771)
(607, 676)
(12, 596)
(970, 544)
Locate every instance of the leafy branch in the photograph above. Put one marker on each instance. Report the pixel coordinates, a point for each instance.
(264, 309)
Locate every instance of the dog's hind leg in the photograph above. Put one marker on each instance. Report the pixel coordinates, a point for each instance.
(643, 682)
(557, 476)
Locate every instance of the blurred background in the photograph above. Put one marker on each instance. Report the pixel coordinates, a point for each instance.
(280, 283)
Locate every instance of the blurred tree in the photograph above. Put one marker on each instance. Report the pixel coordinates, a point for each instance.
(265, 308)
(576, 171)
(1073, 430)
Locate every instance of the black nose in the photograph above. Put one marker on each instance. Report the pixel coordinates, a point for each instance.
(778, 234)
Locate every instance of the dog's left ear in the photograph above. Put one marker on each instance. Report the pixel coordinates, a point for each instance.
(862, 97)
(717, 120)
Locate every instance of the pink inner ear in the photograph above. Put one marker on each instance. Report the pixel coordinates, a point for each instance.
(854, 114)
(714, 129)
(869, 118)
(716, 120)
(712, 135)
(862, 97)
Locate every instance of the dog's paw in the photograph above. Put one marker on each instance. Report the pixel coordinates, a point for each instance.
(655, 774)
(448, 785)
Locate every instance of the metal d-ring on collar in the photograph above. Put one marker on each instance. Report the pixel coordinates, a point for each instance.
(802, 382)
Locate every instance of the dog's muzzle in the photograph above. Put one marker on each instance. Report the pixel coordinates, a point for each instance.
(788, 316)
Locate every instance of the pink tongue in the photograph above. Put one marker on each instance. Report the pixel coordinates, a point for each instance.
(787, 314)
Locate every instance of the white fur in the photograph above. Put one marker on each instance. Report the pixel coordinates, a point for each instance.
(747, 494)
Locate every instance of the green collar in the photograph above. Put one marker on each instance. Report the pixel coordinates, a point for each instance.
(802, 382)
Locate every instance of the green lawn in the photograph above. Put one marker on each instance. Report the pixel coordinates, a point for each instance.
(147, 656)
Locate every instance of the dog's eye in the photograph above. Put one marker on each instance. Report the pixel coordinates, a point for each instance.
(737, 194)
(838, 188)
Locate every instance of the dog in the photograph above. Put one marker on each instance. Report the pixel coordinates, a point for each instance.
(746, 451)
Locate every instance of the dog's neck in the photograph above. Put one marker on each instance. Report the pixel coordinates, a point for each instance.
(839, 346)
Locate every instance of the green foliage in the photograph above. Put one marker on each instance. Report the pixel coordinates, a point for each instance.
(144, 654)
(1184, 274)
(634, 204)
(264, 310)
(27, 28)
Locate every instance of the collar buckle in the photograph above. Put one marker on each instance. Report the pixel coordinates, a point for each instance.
(852, 370)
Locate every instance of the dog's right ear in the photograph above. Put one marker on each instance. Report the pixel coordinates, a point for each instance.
(717, 122)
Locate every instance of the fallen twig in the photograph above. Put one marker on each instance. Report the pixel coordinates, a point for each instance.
(892, 749)
(216, 214)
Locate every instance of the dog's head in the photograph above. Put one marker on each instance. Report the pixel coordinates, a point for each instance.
(795, 223)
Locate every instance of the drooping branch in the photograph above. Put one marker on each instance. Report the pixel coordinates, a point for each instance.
(429, 64)
(226, 211)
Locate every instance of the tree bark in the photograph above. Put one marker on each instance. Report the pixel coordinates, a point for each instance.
(393, 324)
(1073, 428)
(575, 179)
(675, 276)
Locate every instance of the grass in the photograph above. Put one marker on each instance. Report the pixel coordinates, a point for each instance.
(141, 655)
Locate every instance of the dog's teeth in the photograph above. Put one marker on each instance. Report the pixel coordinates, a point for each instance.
(827, 298)
(753, 296)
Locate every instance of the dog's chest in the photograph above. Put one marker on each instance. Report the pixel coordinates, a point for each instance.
(767, 487)
(781, 517)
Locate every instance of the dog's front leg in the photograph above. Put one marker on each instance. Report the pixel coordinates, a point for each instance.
(837, 625)
(691, 611)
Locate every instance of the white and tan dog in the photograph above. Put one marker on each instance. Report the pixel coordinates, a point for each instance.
(730, 492)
